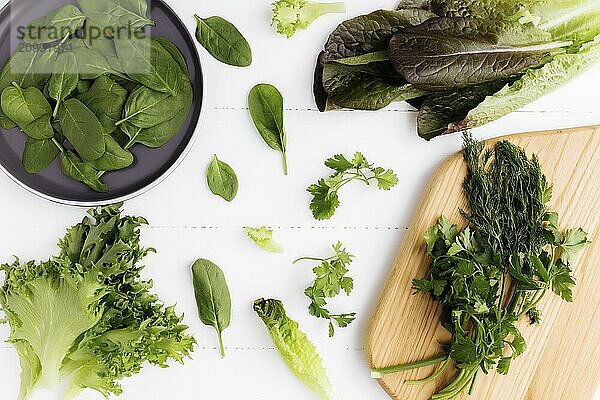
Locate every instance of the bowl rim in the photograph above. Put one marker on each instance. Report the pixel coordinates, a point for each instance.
(182, 156)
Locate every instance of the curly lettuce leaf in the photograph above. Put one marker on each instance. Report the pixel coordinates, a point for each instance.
(297, 351)
(263, 237)
(532, 86)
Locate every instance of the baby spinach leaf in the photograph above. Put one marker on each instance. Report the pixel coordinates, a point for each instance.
(91, 63)
(147, 61)
(64, 79)
(83, 86)
(222, 180)
(73, 167)
(173, 51)
(223, 41)
(82, 129)
(106, 99)
(23, 68)
(265, 104)
(39, 154)
(212, 297)
(146, 108)
(114, 158)
(29, 109)
(117, 13)
(104, 45)
(57, 24)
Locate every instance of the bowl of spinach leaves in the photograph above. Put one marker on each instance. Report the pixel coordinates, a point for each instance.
(91, 115)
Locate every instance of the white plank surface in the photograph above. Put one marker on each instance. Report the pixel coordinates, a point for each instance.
(187, 222)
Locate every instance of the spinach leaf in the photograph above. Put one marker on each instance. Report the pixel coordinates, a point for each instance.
(173, 51)
(114, 158)
(82, 129)
(57, 24)
(106, 99)
(23, 68)
(39, 154)
(73, 167)
(64, 79)
(104, 45)
(452, 53)
(265, 104)
(212, 297)
(222, 180)
(147, 61)
(91, 63)
(29, 109)
(111, 14)
(223, 41)
(146, 108)
(366, 87)
(83, 86)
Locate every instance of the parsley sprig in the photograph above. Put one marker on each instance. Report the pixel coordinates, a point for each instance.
(498, 269)
(331, 279)
(325, 192)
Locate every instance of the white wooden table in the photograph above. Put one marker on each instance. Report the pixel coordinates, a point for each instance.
(187, 222)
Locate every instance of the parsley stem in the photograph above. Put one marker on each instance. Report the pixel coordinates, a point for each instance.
(379, 372)
(433, 376)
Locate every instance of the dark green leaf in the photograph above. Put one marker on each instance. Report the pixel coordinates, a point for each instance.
(223, 41)
(147, 61)
(64, 78)
(73, 167)
(29, 109)
(91, 63)
(222, 180)
(173, 51)
(113, 14)
(212, 297)
(82, 129)
(106, 100)
(114, 158)
(452, 53)
(39, 154)
(265, 104)
(57, 24)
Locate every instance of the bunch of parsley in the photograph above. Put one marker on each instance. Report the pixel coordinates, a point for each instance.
(495, 271)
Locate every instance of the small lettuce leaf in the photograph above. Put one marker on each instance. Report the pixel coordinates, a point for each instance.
(263, 237)
(297, 351)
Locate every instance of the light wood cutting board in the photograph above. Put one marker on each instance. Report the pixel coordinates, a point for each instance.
(562, 360)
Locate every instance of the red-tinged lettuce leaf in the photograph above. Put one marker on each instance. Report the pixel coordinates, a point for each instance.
(453, 53)
(532, 86)
(361, 35)
(440, 110)
(366, 87)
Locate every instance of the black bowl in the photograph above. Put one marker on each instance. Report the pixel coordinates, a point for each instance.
(151, 165)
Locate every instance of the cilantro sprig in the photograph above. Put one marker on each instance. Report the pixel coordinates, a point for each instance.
(325, 192)
(498, 269)
(331, 279)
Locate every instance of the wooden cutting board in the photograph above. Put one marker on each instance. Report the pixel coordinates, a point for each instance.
(562, 360)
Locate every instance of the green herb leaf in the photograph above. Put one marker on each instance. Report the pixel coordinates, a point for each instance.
(39, 154)
(114, 158)
(73, 167)
(265, 104)
(29, 109)
(325, 192)
(111, 14)
(82, 128)
(263, 237)
(64, 21)
(222, 180)
(64, 80)
(331, 279)
(223, 41)
(212, 297)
